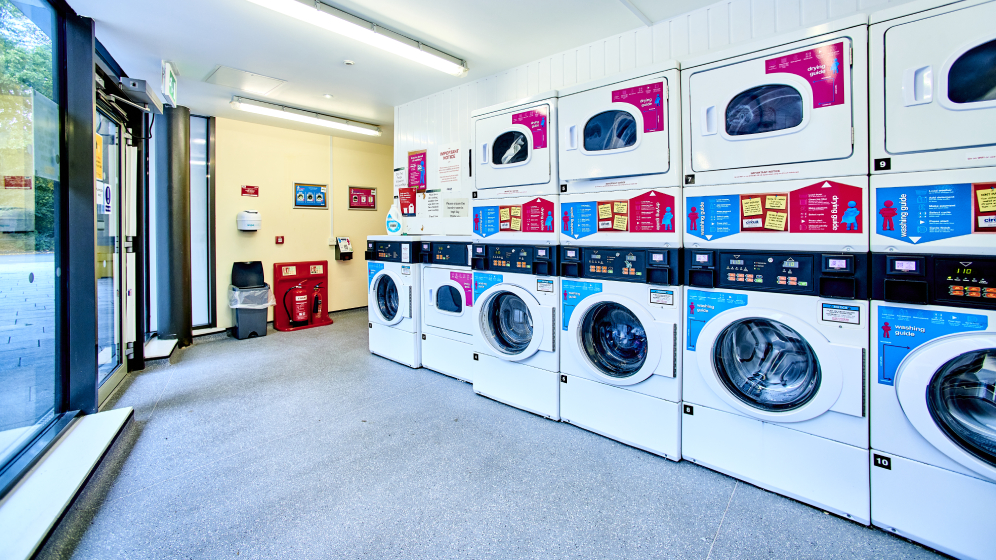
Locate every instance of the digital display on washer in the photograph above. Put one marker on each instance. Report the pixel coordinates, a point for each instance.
(614, 264)
(657, 257)
(702, 258)
(767, 272)
(905, 266)
(963, 279)
(837, 263)
(736, 261)
(790, 264)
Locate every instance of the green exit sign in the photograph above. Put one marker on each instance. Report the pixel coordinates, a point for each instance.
(169, 83)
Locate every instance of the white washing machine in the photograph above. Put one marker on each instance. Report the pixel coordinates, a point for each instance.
(518, 219)
(516, 335)
(623, 132)
(808, 215)
(620, 363)
(447, 306)
(932, 86)
(515, 148)
(933, 433)
(950, 211)
(791, 107)
(393, 288)
(774, 380)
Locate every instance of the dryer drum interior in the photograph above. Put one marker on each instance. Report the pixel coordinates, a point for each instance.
(972, 78)
(609, 130)
(510, 147)
(614, 339)
(387, 297)
(766, 364)
(449, 299)
(961, 398)
(764, 108)
(507, 323)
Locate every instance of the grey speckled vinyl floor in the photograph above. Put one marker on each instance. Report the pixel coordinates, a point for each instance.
(304, 445)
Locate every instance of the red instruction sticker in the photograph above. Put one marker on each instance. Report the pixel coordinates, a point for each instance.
(822, 67)
(652, 211)
(536, 122)
(537, 215)
(826, 207)
(466, 281)
(649, 99)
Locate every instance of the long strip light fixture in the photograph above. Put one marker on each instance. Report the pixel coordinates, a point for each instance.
(302, 116)
(338, 21)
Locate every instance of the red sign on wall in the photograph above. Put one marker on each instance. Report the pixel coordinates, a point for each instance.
(249, 190)
(406, 199)
(17, 182)
(362, 198)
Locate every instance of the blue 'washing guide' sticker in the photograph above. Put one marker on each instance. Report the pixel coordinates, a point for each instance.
(703, 306)
(918, 215)
(901, 330)
(580, 219)
(485, 220)
(483, 281)
(712, 217)
(372, 269)
(574, 292)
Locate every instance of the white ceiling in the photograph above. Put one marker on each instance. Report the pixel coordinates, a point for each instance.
(199, 35)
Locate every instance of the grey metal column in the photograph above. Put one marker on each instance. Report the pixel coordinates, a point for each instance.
(173, 227)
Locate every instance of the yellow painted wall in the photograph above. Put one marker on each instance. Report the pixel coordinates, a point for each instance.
(274, 159)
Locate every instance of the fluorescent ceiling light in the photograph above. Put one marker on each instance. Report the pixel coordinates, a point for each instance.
(338, 21)
(302, 116)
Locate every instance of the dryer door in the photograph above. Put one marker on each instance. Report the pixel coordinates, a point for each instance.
(389, 298)
(512, 148)
(619, 340)
(764, 112)
(513, 323)
(773, 366)
(448, 299)
(616, 130)
(947, 389)
(940, 81)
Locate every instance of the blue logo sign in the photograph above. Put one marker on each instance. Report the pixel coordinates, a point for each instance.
(901, 330)
(485, 220)
(580, 219)
(712, 217)
(372, 269)
(703, 306)
(483, 281)
(574, 292)
(918, 215)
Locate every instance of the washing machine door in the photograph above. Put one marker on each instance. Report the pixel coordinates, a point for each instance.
(448, 301)
(619, 340)
(757, 112)
(947, 389)
(512, 322)
(774, 366)
(615, 130)
(389, 298)
(940, 81)
(512, 148)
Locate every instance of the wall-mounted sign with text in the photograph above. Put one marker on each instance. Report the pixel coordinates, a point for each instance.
(249, 190)
(310, 196)
(362, 198)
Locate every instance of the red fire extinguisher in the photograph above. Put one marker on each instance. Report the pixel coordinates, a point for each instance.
(316, 306)
(298, 310)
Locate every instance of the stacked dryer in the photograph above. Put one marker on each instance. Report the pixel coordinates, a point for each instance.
(620, 259)
(775, 232)
(933, 155)
(447, 306)
(516, 204)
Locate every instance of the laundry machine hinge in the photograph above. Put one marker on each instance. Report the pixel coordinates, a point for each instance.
(674, 351)
(667, 92)
(852, 135)
(850, 56)
(864, 382)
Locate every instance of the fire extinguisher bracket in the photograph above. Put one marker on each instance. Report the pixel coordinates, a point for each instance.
(301, 290)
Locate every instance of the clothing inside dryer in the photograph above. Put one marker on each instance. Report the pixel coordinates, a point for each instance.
(449, 299)
(387, 297)
(764, 108)
(961, 398)
(767, 364)
(510, 147)
(508, 323)
(609, 130)
(614, 339)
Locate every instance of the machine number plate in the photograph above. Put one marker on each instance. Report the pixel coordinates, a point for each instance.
(665, 297)
(882, 462)
(544, 286)
(850, 314)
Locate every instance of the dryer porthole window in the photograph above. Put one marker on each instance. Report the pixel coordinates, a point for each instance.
(510, 147)
(763, 109)
(972, 77)
(508, 323)
(610, 130)
(962, 402)
(767, 364)
(387, 297)
(448, 299)
(614, 339)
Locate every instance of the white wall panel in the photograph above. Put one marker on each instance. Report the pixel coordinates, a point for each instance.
(444, 118)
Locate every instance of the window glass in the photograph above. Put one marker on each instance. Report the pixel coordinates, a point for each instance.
(961, 401)
(29, 170)
(508, 324)
(449, 299)
(609, 130)
(764, 109)
(510, 147)
(200, 277)
(972, 77)
(387, 297)
(767, 364)
(614, 340)
(107, 209)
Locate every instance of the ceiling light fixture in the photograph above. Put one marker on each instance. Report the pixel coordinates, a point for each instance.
(338, 21)
(302, 116)
(328, 96)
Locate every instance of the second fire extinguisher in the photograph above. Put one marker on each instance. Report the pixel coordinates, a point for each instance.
(316, 305)
(298, 310)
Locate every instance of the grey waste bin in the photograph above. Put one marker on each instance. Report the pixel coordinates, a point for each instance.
(251, 298)
(250, 323)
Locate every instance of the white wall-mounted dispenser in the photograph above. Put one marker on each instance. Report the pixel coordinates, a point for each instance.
(249, 220)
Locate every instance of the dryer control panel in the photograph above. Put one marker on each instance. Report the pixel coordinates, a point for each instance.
(960, 280)
(624, 264)
(540, 260)
(392, 251)
(828, 275)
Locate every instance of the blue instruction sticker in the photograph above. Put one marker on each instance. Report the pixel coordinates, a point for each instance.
(485, 220)
(574, 292)
(580, 219)
(901, 330)
(712, 217)
(483, 281)
(372, 269)
(703, 306)
(923, 214)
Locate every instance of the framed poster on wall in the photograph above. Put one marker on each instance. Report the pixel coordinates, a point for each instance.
(307, 195)
(362, 198)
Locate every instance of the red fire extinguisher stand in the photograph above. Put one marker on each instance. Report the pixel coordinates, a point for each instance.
(301, 290)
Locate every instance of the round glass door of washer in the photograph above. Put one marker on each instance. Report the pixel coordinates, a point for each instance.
(507, 323)
(613, 339)
(766, 364)
(387, 297)
(961, 398)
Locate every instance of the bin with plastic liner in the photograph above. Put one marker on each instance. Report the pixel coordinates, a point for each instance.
(250, 297)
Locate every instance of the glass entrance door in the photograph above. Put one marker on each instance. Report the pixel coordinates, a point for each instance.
(107, 201)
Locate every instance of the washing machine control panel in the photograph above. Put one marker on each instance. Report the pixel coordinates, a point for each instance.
(392, 251)
(523, 259)
(827, 275)
(962, 280)
(625, 264)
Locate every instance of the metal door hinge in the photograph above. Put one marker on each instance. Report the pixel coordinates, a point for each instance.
(850, 56)
(852, 135)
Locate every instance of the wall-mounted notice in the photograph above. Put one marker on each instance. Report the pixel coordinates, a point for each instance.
(362, 198)
(417, 170)
(433, 204)
(406, 200)
(456, 207)
(821, 67)
(249, 190)
(448, 164)
(400, 180)
(307, 195)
